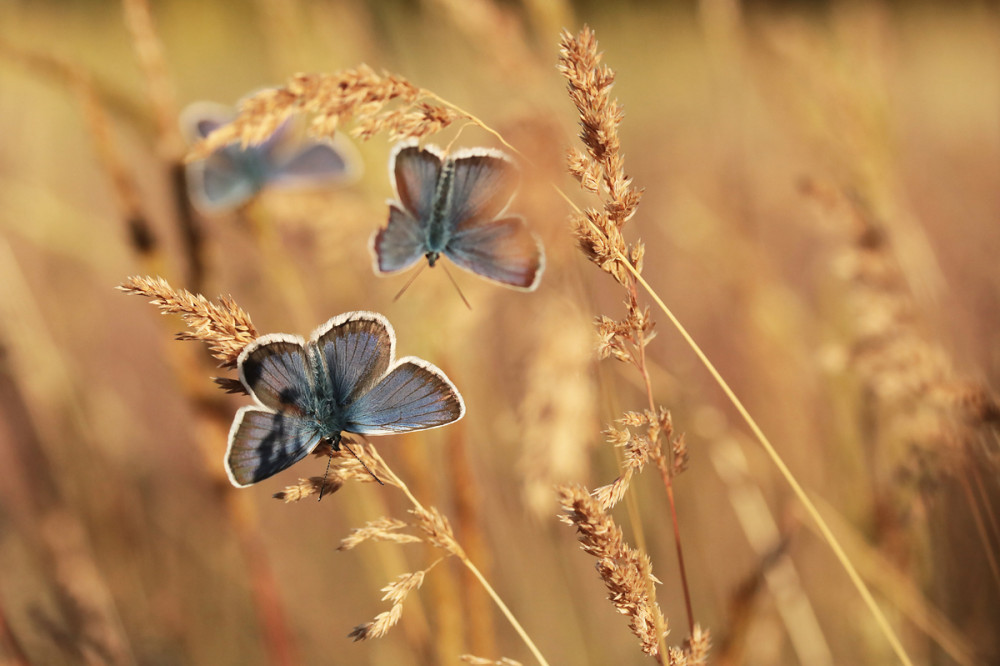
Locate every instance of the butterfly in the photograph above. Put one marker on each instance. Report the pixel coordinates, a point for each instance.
(345, 378)
(455, 205)
(233, 175)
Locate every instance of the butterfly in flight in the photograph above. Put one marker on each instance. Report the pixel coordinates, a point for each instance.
(232, 175)
(455, 205)
(345, 378)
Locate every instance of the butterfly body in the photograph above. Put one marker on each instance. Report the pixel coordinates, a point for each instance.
(455, 206)
(438, 231)
(343, 379)
(329, 414)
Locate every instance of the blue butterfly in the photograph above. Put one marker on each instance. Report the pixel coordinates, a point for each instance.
(233, 175)
(344, 379)
(455, 206)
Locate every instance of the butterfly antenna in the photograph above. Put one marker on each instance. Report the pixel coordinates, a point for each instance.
(408, 283)
(322, 486)
(457, 288)
(344, 444)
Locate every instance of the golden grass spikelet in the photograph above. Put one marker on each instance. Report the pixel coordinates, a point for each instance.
(225, 326)
(378, 627)
(395, 592)
(589, 85)
(609, 495)
(347, 464)
(681, 455)
(695, 650)
(383, 529)
(309, 487)
(623, 339)
(586, 171)
(638, 450)
(602, 242)
(625, 571)
(437, 528)
(359, 94)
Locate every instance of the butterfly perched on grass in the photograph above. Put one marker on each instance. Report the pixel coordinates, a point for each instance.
(345, 378)
(231, 176)
(455, 205)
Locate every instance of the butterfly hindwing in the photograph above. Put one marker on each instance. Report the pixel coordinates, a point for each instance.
(501, 250)
(399, 244)
(414, 395)
(263, 443)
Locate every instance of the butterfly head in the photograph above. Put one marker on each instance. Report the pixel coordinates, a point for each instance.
(432, 257)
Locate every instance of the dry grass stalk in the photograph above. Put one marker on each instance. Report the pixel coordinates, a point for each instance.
(149, 51)
(482, 661)
(626, 572)
(557, 410)
(499, 35)
(126, 193)
(225, 326)
(939, 418)
(377, 102)
(439, 534)
(600, 169)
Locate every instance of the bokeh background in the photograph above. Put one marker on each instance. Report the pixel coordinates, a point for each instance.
(822, 198)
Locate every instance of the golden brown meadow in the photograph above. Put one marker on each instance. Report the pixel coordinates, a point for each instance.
(813, 194)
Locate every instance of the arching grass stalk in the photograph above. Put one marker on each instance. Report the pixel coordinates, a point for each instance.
(797, 489)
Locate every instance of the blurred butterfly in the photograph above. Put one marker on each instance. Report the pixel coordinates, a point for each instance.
(456, 205)
(232, 175)
(343, 379)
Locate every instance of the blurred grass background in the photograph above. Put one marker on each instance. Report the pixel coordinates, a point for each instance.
(121, 541)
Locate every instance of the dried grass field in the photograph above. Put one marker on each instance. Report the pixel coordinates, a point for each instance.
(748, 416)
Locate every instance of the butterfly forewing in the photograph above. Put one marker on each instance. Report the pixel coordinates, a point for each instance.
(399, 244)
(502, 250)
(483, 185)
(415, 395)
(358, 349)
(275, 370)
(415, 172)
(262, 443)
